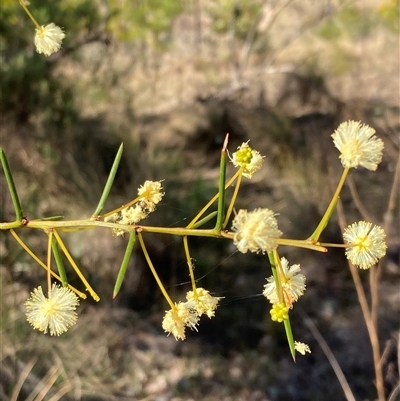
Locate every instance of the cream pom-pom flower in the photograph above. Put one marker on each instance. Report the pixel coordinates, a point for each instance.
(203, 302)
(255, 231)
(366, 244)
(292, 281)
(302, 348)
(48, 39)
(248, 159)
(56, 313)
(358, 145)
(177, 318)
(151, 192)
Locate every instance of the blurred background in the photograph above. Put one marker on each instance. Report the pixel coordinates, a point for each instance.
(170, 79)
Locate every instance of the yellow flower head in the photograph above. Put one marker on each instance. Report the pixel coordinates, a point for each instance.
(301, 347)
(279, 312)
(293, 284)
(358, 145)
(367, 244)
(151, 193)
(177, 318)
(203, 302)
(48, 39)
(256, 231)
(172, 323)
(248, 159)
(127, 216)
(132, 215)
(56, 313)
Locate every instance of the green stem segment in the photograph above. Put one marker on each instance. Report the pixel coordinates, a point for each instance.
(190, 265)
(300, 243)
(50, 240)
(274, 260)
(289, 336)
(205, 220)
(222, 179)
(11, 187)
(328, 213)
(125, 262)
(109, 183)
(75, 267)
(234, 196)
(212, 200)
(59, 262)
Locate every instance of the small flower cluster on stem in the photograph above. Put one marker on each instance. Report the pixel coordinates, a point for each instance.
(187, 314)
(149, 195)
(247, 159)
(48, 38)
(258, 231)
(292, 282)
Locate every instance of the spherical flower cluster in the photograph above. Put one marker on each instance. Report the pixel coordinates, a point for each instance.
(150, 194)
(292, 281)
(48, 39)
(248, 159)
(204, 303)
(301, 347)
(179, 317)
(279, 312)
(358, 145)
(132, 215)
(255, 231)
(128, 216)
(366, 244)
(56, 313)
(187, 314)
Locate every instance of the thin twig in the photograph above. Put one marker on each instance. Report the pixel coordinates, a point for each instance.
(396, 390)
(366, 311)
(329, 355)
(357, 201)
(394, 193)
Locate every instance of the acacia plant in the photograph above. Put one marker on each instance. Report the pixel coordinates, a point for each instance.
(255, 231)
(252, 231)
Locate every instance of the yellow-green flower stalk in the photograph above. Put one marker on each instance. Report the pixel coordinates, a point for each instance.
(32, 254)
(48, 38)
(75, 267)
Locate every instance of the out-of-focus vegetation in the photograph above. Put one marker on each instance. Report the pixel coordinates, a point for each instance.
(170, 78)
